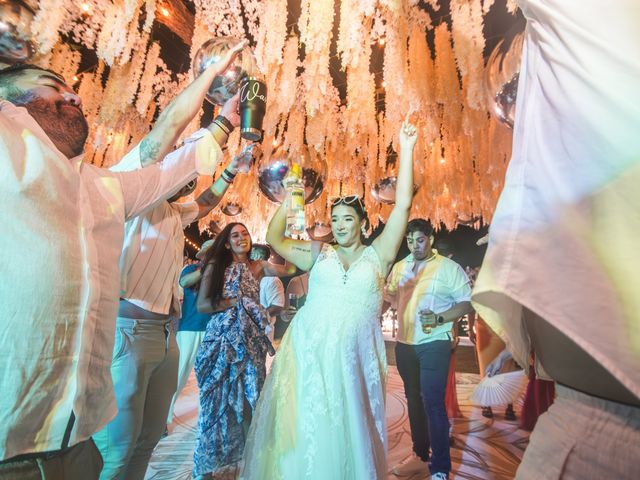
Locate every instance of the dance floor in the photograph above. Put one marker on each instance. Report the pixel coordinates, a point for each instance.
(483, 448)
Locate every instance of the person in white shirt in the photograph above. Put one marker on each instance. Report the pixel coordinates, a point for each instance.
(145, 359)
(271, 288)
(271, 295)
(560, 276)
(431, 292)
(63, 226)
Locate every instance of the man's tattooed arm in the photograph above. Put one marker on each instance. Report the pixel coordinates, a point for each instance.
(149, 150)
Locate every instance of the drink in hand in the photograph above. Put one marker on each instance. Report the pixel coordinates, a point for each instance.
(295, 201)
(428, 320)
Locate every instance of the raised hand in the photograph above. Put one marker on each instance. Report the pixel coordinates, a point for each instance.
(408, 135)
(231, 110)
(217, 68)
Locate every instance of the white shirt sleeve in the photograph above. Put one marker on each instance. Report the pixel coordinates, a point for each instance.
(145, 187)
(273, 294)
(188, 212)
(460, 285)
(131, 161)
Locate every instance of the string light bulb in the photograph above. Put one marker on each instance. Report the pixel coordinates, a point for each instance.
(164, 11)
(85, 7)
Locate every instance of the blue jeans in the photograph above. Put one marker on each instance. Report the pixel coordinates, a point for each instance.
(424, 370)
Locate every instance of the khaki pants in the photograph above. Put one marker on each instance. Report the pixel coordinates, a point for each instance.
(144, 372)
(188, 343)
(583, 437)
(79, 462)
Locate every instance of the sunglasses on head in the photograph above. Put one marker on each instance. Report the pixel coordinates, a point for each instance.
(348, 200)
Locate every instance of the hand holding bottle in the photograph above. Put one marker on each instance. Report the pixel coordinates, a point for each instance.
(295, 201)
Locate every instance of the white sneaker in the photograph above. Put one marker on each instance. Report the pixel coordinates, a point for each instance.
(410, 465)
(439, 476)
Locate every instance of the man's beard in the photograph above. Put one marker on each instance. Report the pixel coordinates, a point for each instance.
(63, 123)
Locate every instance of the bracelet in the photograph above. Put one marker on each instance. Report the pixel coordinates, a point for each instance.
(221, 127)
(229, 174)
(224, 121)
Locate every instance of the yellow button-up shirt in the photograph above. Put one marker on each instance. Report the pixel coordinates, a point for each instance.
(436, 284)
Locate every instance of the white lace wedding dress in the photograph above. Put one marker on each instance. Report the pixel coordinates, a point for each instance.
(321, 411)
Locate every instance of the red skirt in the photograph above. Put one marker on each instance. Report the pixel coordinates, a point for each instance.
(537, 400)
(451, 395)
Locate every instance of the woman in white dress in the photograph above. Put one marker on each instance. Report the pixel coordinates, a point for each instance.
(321, 412)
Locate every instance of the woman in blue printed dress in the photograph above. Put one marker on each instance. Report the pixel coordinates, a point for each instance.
(230, 364)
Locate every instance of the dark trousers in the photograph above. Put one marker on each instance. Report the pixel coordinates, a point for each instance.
(424, 370)
(80, 462)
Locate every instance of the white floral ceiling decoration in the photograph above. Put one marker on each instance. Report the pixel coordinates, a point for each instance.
(462, 151)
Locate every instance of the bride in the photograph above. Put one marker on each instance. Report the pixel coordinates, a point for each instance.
(321, 411)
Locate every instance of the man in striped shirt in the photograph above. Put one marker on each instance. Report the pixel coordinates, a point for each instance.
(145, 358)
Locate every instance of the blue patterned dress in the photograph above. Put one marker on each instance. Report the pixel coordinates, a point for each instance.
(230, 369)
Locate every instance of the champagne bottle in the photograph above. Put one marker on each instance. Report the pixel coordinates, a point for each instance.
(295, 201)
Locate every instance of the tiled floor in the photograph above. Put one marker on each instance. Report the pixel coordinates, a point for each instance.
(483, 449)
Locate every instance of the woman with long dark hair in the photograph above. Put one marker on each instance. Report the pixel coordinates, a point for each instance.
(321, 413)
(230, 364)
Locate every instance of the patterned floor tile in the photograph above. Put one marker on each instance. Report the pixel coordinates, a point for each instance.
(483, 449)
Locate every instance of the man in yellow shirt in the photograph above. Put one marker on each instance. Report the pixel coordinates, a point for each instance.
(430, 292)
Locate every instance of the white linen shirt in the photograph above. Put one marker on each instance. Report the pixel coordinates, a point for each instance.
(563, 241)
(62, 229)
(438, 284)
(271, 294)
(152, 257)
(152, 254)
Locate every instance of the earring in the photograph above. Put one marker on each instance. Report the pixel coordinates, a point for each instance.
(363, 230)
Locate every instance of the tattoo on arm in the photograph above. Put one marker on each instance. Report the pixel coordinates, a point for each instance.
(207, 198)
(299, 248)
(149, 151)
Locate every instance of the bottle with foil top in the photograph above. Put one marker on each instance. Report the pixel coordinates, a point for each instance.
(295, 201)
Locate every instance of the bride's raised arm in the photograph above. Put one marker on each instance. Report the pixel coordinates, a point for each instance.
(389, 241)
(299, 252)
